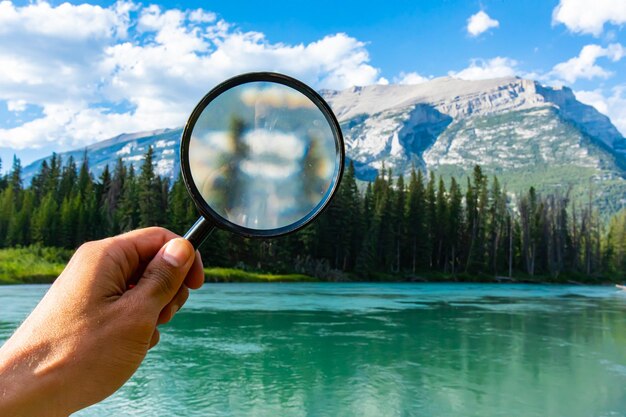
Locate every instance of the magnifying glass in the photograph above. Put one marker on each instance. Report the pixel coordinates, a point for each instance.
(261, 155)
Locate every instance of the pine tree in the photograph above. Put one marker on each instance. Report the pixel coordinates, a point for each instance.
(476, 204)
(51, 181)
(366, 255)
(356, 221)
(113, 196)
(399, 222)
(44, 222)
(529, 224)
(615, 245)
(3, 178)
(441, 241)
(19, 225)
(16, 177)
(128, 211)
(496, 225)
(148, 192)
(416, 223)
(7, 208)
(88, 216)
(103, 188)
(431, 220)
(69, 213)
(455, 224)
(179, 215)
(69, 177)
(384, 213)
(343, 219)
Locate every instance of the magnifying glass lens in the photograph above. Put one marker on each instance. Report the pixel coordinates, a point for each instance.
(263, 156)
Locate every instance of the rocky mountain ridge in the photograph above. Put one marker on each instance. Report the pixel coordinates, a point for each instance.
(524, 132)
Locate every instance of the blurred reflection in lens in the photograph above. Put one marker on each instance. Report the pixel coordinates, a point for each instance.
(263, 155)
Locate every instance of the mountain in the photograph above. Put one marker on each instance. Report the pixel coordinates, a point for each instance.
(130, 147)
(526, 133)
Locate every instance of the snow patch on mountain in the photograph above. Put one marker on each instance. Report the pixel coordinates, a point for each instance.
(507, 125)
(446, 121)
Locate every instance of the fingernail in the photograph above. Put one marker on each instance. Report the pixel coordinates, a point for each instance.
(177, 252)
(175, 309)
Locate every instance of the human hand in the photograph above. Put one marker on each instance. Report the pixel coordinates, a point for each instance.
(90, 332)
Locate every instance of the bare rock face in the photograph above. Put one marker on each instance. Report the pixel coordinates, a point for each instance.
(503, 123)
(526, 133)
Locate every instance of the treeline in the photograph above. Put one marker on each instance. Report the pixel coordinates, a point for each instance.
(423, 226)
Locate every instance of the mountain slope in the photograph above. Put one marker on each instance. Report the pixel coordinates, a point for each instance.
(398, 123)
(526, 133)
(131, 148)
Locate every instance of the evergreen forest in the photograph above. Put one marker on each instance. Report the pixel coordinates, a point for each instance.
(405, 229)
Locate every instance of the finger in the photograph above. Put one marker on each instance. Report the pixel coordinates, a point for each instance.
(156, 336)
(195, 277)
(164, 275)
(174, 306)
(140, 247)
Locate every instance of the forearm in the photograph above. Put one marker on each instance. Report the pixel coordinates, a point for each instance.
(30, 383)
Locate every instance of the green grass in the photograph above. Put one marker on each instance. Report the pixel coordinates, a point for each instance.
(238, 275)
(33, 264)
(38, 265)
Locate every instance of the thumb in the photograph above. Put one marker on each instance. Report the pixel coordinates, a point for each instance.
(165, 274)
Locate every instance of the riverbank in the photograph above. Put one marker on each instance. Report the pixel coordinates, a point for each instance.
(38, 265)
(32, 265)
(41, 265)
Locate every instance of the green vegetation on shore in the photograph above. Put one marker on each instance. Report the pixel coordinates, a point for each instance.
(32, 265)
(41, 265)
(239, 275)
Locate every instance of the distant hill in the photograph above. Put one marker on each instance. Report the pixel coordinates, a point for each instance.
(526, 133)
(131, 148)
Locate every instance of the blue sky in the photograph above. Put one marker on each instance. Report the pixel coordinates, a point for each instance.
(75, 73)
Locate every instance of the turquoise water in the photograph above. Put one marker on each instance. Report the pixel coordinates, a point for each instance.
(281, 350)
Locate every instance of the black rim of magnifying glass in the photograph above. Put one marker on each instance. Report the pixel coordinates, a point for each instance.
(205, 210)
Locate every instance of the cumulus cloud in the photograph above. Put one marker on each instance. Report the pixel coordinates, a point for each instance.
(481, 69)
(584, 65)
(612, 104)
(96, 72)
(479, 23)
(580, 17)
(16, 105)
(409, 78)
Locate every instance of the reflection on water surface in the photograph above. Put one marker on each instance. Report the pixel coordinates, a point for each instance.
(377, 350)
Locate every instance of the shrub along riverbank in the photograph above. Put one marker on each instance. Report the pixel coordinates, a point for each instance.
(38, 265)
(32, 265)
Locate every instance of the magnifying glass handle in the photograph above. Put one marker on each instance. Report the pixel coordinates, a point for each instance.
(200, 230)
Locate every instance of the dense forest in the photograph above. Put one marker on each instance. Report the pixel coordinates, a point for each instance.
(397, 228)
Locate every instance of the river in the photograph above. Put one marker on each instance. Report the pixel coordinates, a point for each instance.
(343, 350)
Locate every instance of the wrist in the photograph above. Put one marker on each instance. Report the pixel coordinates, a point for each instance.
(29, 383)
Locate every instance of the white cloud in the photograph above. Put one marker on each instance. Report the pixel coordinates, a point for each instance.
(479, 23)
(594, 98)
(612, 105)
(480, 69)
(82, 64)
(66, 21)
(584, 65)
(579, 16)
(16, 105)
(409, 78)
